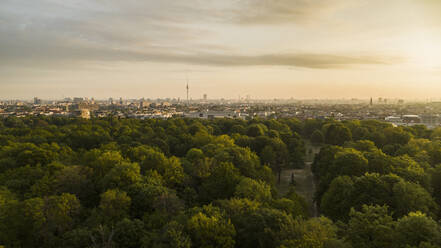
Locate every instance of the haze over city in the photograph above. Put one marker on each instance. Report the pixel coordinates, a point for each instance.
(266, 49)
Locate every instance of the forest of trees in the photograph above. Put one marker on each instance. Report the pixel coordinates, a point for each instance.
(69, 182)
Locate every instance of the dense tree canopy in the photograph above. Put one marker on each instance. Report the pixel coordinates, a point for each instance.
(67, 182)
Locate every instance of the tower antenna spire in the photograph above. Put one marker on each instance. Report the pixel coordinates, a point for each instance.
(188, 89)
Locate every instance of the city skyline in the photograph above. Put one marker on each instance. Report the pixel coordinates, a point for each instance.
(207, 98)
(267, 49)
(242, 98)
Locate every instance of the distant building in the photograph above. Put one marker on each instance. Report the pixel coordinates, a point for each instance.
(85, 105)
(85, 114)
(213, 114)
(431, 120)
(411, 119)
(393, 119)
(264, 114)
(82, 113)
(205, 97)
(37, 101)
(78, 99)
(141, 104)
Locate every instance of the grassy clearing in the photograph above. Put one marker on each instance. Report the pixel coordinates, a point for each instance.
(304, 179)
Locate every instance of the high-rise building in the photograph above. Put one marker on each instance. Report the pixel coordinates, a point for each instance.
(205, 97)
(37, 100)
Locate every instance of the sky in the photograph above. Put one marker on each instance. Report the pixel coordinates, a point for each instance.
(298, 49)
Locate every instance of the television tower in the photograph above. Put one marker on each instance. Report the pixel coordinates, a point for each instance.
(188, 88)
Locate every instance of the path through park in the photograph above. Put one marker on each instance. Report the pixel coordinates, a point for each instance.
(304, 179)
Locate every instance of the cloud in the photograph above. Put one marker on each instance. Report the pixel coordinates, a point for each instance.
(61, 33)
(61, 53)
(315, 61)
(254, 12)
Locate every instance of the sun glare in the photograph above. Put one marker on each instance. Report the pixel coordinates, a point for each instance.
(425, 49)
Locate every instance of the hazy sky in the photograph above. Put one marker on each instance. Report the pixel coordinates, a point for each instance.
(227, 48)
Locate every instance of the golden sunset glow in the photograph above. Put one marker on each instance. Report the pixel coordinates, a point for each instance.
(262, 48)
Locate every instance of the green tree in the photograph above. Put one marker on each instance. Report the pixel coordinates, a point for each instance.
(410, 197)
(114, 205)
(373, 189)
(171, 235)
(129, 233)
(253, 190)
(293, 204)
(372, 227)
(49, 217)
(257, 226)
(436, 183)
(256, 130)
(209, 228)
(396, 135)
(337, 134)
(416, 228)
(337, 201)
(102, 161)
(313, 233)
(221, 184)
(276, 156)
(197, 165)
(317, 137)
(76, 180)
(349, 162)
(122, 176)
(77, 238)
